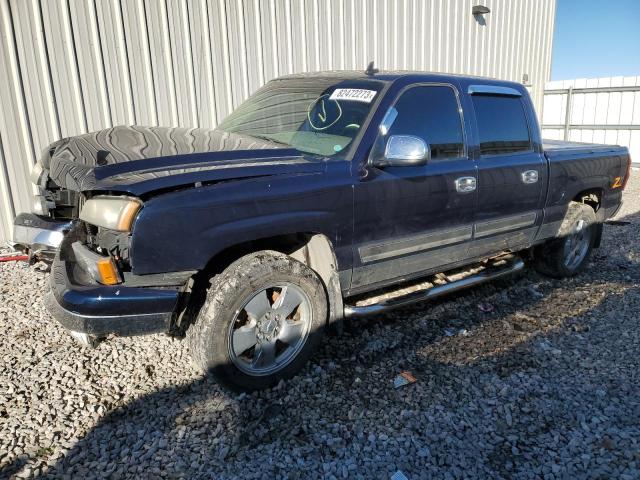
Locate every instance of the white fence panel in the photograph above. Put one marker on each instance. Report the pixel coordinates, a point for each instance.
(601, 110)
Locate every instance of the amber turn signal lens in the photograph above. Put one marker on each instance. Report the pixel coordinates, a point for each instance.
(108, 272)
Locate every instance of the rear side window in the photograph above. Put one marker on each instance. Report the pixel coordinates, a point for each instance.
(431, 113)
(502, 124)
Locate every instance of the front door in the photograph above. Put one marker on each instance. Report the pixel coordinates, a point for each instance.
(410, 219)
(512, 173)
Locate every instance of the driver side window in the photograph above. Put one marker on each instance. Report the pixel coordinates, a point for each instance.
(431, 113)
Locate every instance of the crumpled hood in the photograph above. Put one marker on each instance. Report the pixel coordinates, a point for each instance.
(139, 160)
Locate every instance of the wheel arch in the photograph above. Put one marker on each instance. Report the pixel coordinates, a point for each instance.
(593, 197)
(310, 248)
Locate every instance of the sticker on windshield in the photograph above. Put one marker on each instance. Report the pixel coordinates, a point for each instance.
(353, 94)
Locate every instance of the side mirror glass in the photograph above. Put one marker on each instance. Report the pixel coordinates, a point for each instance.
(404, 150)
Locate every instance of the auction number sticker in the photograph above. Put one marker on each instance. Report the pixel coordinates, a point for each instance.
(353, 94)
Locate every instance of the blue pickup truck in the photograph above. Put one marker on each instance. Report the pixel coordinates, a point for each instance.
(323, 196)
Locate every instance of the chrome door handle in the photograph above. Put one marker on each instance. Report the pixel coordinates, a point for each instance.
(529, 176)
(466, 184)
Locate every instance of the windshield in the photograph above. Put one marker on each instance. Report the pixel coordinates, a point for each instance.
(313, 115)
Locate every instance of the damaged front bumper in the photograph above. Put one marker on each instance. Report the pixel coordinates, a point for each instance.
(38, 236)
(84, 306)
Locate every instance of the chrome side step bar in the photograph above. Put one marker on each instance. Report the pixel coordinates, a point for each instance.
(352, 311)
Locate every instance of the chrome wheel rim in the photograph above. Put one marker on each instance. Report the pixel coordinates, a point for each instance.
(270, 329)
(576, 245)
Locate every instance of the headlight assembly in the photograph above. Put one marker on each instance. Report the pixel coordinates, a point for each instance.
(114, 213)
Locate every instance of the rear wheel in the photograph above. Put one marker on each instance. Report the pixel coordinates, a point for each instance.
(261, 321)
(569, 254)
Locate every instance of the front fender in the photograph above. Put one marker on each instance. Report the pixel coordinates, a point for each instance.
(185, 230)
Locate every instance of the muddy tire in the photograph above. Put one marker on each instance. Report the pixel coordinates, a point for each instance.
(569, 254)
(261, 321)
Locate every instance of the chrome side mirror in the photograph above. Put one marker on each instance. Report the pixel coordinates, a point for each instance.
(404, 151)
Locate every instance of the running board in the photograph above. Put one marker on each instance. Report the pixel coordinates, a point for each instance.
(352, 311)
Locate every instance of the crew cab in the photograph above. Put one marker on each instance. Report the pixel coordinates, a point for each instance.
(323, 196)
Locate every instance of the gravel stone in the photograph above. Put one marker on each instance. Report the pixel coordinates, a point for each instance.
(541, 382)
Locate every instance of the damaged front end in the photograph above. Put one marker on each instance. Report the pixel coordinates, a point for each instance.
(93, 291)
(91, 298)
(40, 232)
(38, 236)
(105, 160)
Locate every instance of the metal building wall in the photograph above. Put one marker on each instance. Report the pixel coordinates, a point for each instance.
(72, 66)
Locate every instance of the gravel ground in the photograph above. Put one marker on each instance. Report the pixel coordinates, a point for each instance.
(525, 378)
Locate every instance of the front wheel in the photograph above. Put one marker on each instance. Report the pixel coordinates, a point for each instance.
(262, 318)
(569, 255)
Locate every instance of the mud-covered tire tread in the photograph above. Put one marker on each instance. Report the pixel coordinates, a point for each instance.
(548, 258)
(207, 336)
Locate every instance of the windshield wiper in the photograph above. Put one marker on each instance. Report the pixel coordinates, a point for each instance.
(269, 139)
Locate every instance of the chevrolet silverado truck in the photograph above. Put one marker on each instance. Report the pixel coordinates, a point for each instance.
(323, 196)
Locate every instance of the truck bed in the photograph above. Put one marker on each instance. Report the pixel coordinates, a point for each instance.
(563, 147)
(581, 167)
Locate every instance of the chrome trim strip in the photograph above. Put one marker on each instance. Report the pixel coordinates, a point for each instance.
(494, 244)
(407, 266)
(413, 244)
(505, 224)
(493, 90)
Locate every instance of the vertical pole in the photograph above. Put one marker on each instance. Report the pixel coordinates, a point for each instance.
(567, 113)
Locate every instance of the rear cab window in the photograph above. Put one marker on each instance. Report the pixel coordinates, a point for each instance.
(502, 124)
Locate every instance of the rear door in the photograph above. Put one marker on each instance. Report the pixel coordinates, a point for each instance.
(409, 219)
(512, 173)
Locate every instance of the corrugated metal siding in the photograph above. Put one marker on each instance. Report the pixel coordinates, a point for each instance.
(610, 109)
(72, 66)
